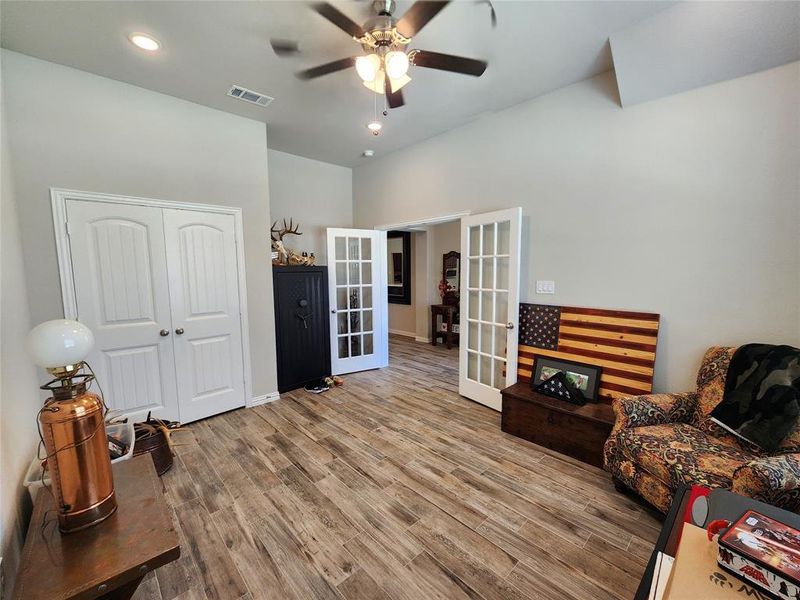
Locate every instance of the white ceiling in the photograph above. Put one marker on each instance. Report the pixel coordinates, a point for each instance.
(537, 47)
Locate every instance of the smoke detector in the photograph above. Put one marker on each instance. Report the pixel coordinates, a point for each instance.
(250, 96)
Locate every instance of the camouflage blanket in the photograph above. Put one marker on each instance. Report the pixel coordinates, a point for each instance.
(762, 394)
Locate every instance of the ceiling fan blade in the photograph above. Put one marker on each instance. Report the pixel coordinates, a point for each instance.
(449, 62)
(284, 47)
(393, 99)
(338, 18)
(416, 17)
(331, 67)
(492, 14)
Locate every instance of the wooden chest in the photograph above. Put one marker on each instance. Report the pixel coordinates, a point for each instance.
(577, 431)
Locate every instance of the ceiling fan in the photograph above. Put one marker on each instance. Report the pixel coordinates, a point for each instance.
(383, 68)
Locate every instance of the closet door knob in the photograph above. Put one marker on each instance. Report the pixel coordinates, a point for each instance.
(164, 332)
(179, 330)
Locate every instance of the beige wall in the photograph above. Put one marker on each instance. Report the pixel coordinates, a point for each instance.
(688, 206)
(19, 396)
(318, 195)
(71, 129)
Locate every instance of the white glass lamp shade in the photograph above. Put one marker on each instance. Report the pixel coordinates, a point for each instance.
(59, 343)
(396, 64)
(396, 83)
(378, 85)
(368, 67)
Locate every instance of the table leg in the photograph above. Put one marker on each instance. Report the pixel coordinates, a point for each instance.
(433, 327)
(449, 329)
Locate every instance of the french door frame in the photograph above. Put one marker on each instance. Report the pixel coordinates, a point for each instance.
(58, 200)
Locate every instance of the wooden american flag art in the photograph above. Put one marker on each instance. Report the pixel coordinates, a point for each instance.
(622, 342)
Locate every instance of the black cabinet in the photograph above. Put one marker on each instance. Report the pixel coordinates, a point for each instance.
(302, 325)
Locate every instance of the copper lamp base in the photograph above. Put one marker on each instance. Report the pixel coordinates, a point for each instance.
(77, 455)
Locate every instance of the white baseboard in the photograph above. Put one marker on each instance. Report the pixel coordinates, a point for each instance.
(424, 340)
(266, 398)
(411, 334)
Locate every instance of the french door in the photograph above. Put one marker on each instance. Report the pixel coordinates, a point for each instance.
(159, 288)
(358, 299)
(490, 249)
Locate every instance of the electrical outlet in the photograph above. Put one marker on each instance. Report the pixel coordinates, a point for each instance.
(545, 287)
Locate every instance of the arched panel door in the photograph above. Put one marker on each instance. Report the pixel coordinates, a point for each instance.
(121, 291)
(204, 291)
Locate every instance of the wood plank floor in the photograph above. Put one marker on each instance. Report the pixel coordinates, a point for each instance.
(391, 487)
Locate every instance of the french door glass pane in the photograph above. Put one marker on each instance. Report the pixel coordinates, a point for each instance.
(499, 374)
(502, 273)
(341, 250)
(472, 335)
(341, 298)
(486, 338)
(475, 240)
(366, 273)
(343, 353)
(342, 322)
(474, 306)
(355, 297)
(366, 249)
(367, 320)
(501, 307)
(341, 273)
(354, 248)
(355, 273)
(368, 343)
(488, 240)
(486, 370)
(472, 366)
(488, 273)
(503, 237)
(367, 297)
(474, 273)
(487, 306)
(355, 345)
(355, 321)
(500, 333)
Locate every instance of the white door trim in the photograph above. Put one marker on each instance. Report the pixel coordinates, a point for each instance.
(424, 222)
(58, 200)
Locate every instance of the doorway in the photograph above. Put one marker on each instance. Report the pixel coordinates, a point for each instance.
(162, 287)
(476, 259)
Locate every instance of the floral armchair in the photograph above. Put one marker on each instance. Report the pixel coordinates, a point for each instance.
(662, 440)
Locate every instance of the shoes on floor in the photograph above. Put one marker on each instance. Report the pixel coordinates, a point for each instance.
(317, 387)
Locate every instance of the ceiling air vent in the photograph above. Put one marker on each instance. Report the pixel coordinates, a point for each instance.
(241, 93)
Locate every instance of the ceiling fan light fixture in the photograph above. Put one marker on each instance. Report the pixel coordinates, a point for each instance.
(368, 67)
(396, 64)
(375, 127)
(377, 85)
(397, 83)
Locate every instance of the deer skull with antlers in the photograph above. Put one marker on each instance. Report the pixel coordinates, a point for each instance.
(277, 242)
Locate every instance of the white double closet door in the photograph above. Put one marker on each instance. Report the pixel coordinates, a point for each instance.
(159, 288)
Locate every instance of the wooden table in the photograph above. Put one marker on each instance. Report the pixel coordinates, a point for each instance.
(722, 504)
(448, 313)
(108, 560)
(571, 429)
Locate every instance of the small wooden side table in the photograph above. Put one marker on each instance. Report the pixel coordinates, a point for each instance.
(108, 560)
(448, 313)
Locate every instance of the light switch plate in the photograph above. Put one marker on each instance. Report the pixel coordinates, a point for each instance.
(545, 287)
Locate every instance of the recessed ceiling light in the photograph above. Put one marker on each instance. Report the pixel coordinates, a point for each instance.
(144, 41)
(368, 153)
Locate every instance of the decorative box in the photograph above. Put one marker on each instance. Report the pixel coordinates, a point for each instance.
(764, 552)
